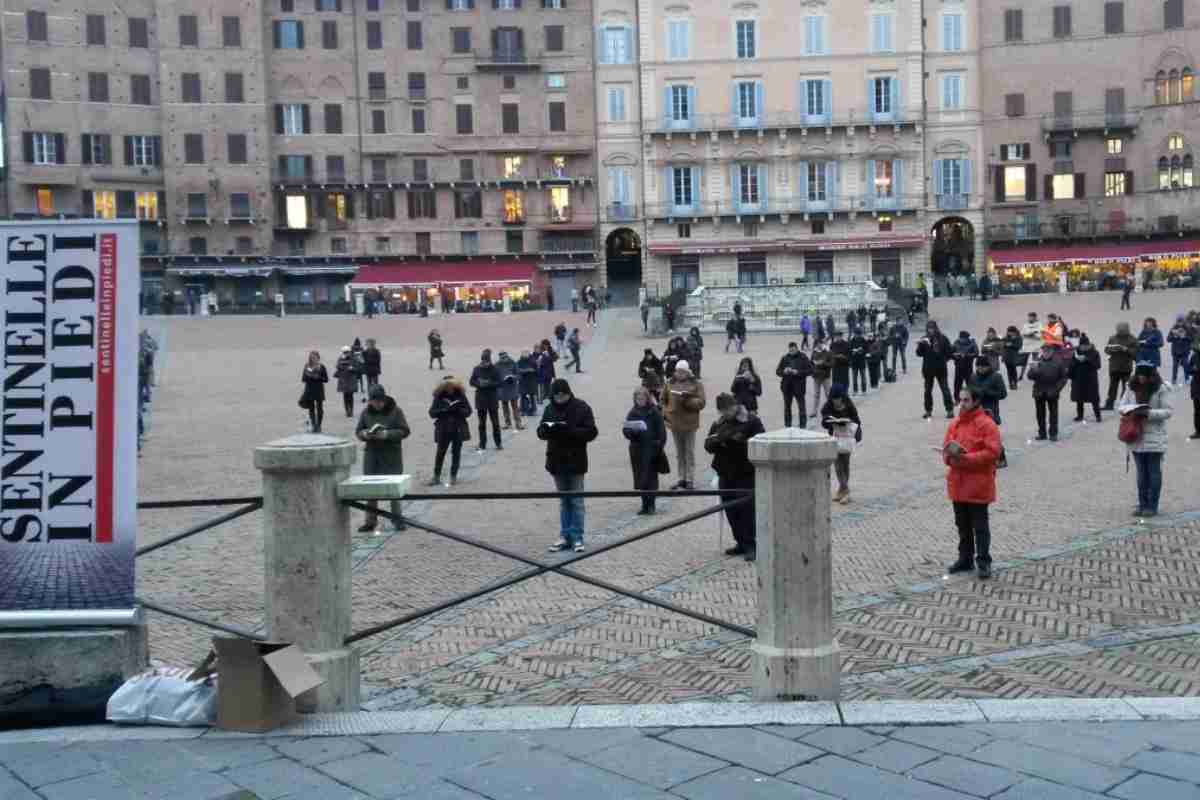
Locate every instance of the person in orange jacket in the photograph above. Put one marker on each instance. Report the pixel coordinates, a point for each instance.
(970, 450)
(1054, 334)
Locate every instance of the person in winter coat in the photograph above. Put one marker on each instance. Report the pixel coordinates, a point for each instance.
(822, 364)
(1049, 376)
(357, 364)
(526, 383)
(839, 352)
(876, 353)
(509, 391)
(574, 346)
(382, 428)
(1180, 339)
(971, 449)
(992, 347)
(988, 387)
(898, 341)
(829, 326)
(695, 345)
(837, 416)
(934, 351)
(1150, 342)
(647, 435)
(1013, 345)
(650, 371)
(793, 371)
(747, 386)
(485, 378)
(683, 400)
(805, 331)
(820, 330)
(1085, 378)
(451, 415)
(858, 362)
(545, 369)
(1195, 365)
(347, 379)
(965, 352)
(1054, 332)
(1122, 355)
(740, 322)
(372, 363)
(730, 333)
(560, 337)
(436, 353)
(728, 442)
(1146, 398)
(314, 377)
(567, 426)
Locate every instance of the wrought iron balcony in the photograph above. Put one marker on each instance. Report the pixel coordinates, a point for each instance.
(1091, 121)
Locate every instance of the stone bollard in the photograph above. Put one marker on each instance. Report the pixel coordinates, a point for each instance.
(307, 554)
(795, 655)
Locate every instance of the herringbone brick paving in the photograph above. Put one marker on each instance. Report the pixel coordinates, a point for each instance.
(553, 640)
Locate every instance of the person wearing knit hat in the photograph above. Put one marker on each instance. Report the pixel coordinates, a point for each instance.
(683, 400)
(567, 426)
(728, 441)
(1147, 402)
(1085, 378)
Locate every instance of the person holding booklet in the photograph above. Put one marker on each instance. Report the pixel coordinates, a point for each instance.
(382, 428)
(971, 450)
(728, 442)
(451, 414)
(567, 426)
(840, 419)
(683, 400)
(647, 435)
(1145, 408)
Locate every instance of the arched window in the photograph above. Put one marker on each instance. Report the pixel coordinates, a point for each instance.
(1176, 173)
(1160, 88)
(1164, 173)
(1173, 87)
(1188, 180)
(1186, 84)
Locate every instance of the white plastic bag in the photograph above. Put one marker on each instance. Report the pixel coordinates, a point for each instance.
(843, 434)
(165, 696)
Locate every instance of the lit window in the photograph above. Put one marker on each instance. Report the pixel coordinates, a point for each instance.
(558, 166)
(1115, 147)
(146, 204)
(293, 119)
(560, 204)
(884, 183)
(1014, 183)
(1186, 85)
(104, 205)
(747, 45)
(1175, 141)
(296, 207)
(514, 206)
(1062, 187)
(556, 80)
(512, 166)
(1114, 184)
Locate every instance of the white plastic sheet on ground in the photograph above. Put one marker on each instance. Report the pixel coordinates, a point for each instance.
(165, 696)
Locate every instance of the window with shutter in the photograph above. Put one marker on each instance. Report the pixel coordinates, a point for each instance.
(554, 38)
(746, 38)
(39, 83)
(333, 118)
(190, 87)
(139, 32)
(464, 118)
(679, 36)
(1114, 17)
(377, 86)
(235, 144)
(1062, 22)
(616, 104)
(1114, 105)
(1063, 105)
(413, 34)
(418, 120)
(1173, 14)
(558, 117)
(231, 31)
(234, 88)
(374, 34)
(139, 90)
(329, 34)
(416, 86)
(98, 87)
(289, 34)
(95, 29)
(335, 168)
(189, 31)
(952, 32)
(1014, 25)
(36, 29)
(1014, 105)
(510, 118)
(193, 148)
(378, 120)
(460, 40)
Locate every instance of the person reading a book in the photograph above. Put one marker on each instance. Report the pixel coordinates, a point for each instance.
(683, 400)
(839, 417)
(647, 435)
(1122, 351)
(1145, 408)
(451, 414)
(970, 449)
(567, 426)
(728, 442)
(382, 429)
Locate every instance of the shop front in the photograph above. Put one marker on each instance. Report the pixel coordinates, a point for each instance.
(250, 289)
(1155, 265)
(445, 287)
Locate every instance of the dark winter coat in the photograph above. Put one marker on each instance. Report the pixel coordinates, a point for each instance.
(798, 382)
(545, 366)
(1085, 376)
(858, 351)
(1013, 344)
(992, 389)
(1195, 368)
(383, 456)
(346, 375)
(567, 439)
(1149, 346)
(526, 375)
(728, 441)
(645, 447)
(1180, 338)
(898, 336)
(314, 380)
(1048, 376)
(747, 391)
(435, 346)
(372, 362)
(822, 364)
(850, 412)
(1121, 350)
(506, 368)
(839, 352)
(876, 351)
(451, 413)
(965, 352)
(486, 380)
(993, 348)
(934, 352)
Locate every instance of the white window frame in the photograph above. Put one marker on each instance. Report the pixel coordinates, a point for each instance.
(1011, 197)
(98, 152)
(44, 149)
(952, 177)
(953, 24)
(745, 39)
(143, 151)
(679, 39)
(620, 185)
(818, 189)
(749, 192)
(460, 5)
(816, 104)
(885, 185)
(613, 39)
(886, 108)
(681, 109)
(952, 91)
(145, 205)
(616, 104)
(748, 99)
(1114, 184)
(293, 119)
(292, 41)
(1062, 187)
(814, 35)
(682, 189)
(507, 5)
(883, 32)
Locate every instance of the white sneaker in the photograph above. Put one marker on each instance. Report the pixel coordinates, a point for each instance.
(579, 548)
(561, 544)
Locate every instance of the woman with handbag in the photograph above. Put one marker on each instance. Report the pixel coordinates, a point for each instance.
(1145, 408)
(840, 419)
(314, 377)
(647, 437)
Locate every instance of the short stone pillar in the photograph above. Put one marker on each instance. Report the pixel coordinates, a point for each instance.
(795, 656)
(307, 552)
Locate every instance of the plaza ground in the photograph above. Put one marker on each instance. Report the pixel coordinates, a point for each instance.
(1087, 601)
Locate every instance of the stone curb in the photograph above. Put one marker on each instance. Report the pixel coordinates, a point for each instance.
(681, 715)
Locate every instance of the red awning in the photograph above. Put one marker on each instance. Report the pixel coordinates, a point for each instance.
(1091, 254)
(432, 273)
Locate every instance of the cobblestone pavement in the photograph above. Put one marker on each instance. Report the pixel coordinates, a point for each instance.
(1087, 601)
(1004, 761)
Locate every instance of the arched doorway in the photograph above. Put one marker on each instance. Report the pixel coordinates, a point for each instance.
(623, 261)
(953, 251)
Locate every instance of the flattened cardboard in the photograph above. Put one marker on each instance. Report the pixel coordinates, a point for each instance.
(251, 693)
(292, 670)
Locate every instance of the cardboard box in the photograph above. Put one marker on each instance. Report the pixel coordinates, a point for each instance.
(258, 683)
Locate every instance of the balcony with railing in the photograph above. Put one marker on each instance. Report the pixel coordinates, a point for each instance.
(620, 212)
(707, 123)
(1091, 121)
(1066, 227)
(834, 204)
(557, 243)
(507, 59)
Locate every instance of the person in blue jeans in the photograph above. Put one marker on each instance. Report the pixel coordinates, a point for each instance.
(567, 426)
(1180, 339)
(1146, 398)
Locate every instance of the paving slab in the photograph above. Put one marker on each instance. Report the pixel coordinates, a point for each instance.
(1102, 743)
(655, 763)
(1143, 787)
(579, 742)
(443, 753)
(1181, 766)
(219, 754)
(321, 749)
(748, 747)
(1052, 765)
(101, 786)
(966, 776)
(10, 789)
(281, 778)
(54, 766)
(1035, 789)
(706, 714)
(911, 713)
(378, 775)
(744, 784)
(843, 741)
(896, 756)
(514, 718)
(546, 774)
(843, 778)
(1034, 710)
(945, 738)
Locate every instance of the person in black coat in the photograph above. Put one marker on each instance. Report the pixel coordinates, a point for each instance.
(436, 353)
(650, 370)
(527, 382)
(988, 387)
(839, 352)
(372, 363)
(314, 377)
(1194, 363)
(934, 350)
(747, 386)
(451, 414)
(1049, 376)
(1085, 378)
(1013, 344)
(841, 407)
(793, 371)
(965, 352)
(728, 441)
(567, 426)
(647, 435)
(876, 353)
(486, 380)
(858, 362)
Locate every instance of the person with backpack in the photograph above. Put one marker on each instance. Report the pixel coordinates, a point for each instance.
(485, 379)
(451, 415)
(741, 331)
(876, 353)
(1085, 378)
(971, 451)
(793, 371)
(1122, 351)
(695, 343)
(1145, 408)
(347, 379)
(1049, 376)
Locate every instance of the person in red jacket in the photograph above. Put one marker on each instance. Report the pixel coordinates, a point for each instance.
(970, 450)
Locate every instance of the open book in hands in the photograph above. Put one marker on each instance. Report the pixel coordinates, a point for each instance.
(635, 425)
(1139, 409)
(376, 430)
(839, 421)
